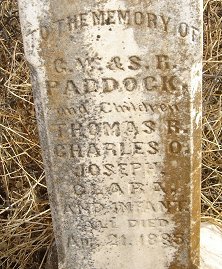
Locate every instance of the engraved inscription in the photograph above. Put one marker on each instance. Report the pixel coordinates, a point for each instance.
(116, 88)
(149, 20)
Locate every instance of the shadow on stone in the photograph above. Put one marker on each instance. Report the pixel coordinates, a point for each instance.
(52, 258)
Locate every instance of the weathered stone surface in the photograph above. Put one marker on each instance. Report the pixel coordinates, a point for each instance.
(117, 87)
(210, 246)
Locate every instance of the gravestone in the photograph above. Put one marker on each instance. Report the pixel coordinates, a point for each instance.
(117, 89)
